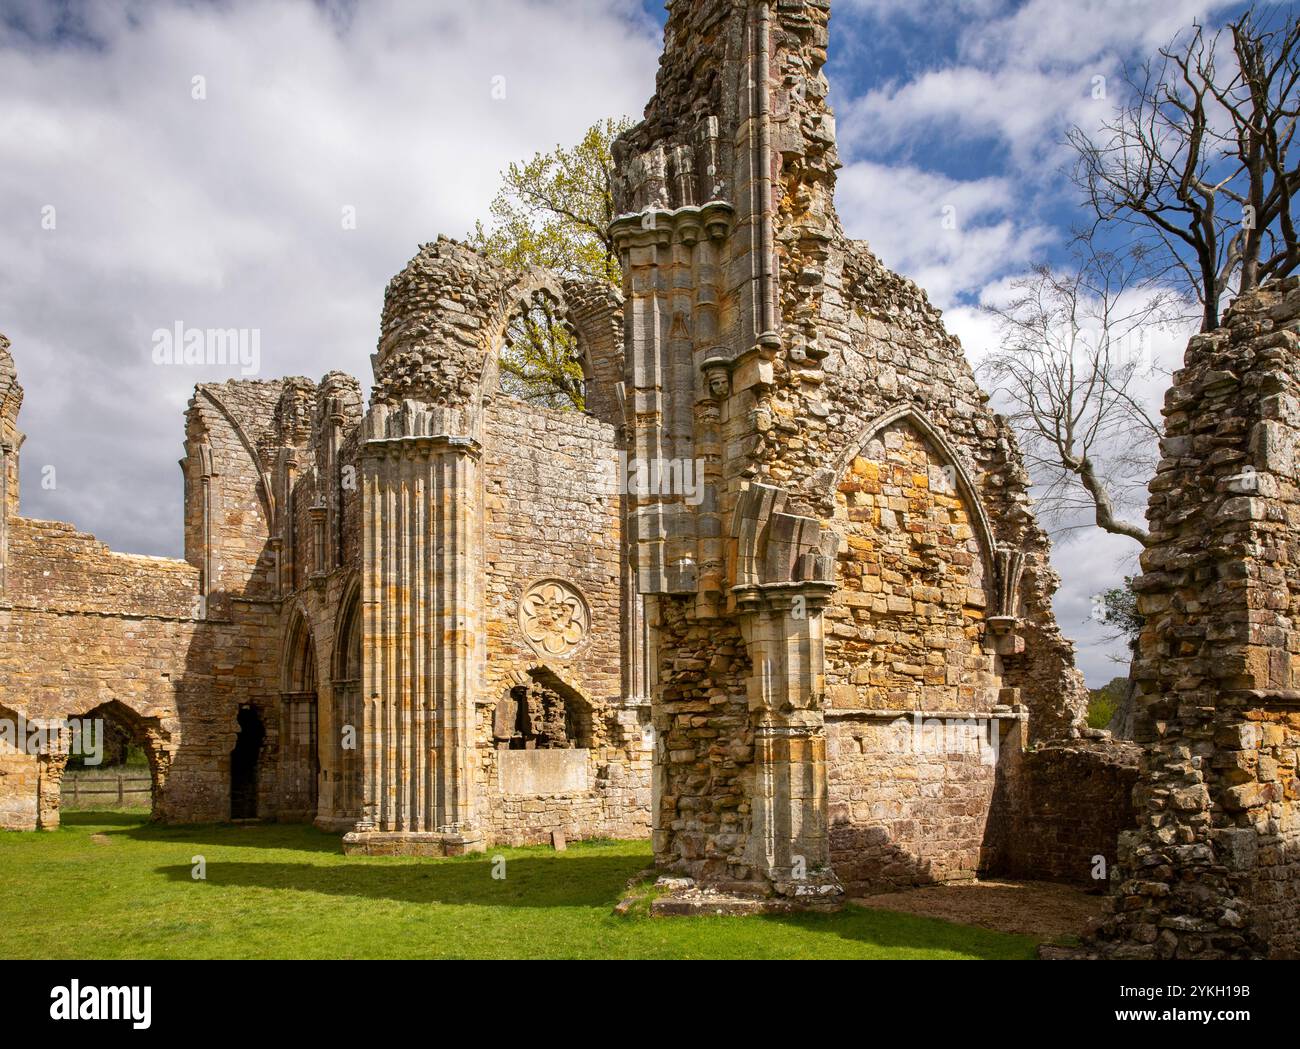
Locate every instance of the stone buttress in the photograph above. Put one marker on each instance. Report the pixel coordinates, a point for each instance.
(1212, 867)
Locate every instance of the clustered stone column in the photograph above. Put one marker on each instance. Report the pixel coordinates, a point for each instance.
(783, 629)
(421, 630)
(713, 550)
(1211, 870)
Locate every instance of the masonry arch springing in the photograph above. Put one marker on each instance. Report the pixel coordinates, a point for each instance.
(584, 316)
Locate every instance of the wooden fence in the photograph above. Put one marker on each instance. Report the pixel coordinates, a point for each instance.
(115, 790)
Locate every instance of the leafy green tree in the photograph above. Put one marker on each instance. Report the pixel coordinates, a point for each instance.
(1118, 610)
(554, 212)
(1106, 701)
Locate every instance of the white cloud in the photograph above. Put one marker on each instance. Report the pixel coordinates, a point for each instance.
(1047, 33)
(226, 212)
(901, 213)
(1022, 74)
(1090, 562)
(1022, 108)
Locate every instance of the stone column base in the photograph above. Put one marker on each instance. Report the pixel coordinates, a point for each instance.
(821, 889)
(410, 843)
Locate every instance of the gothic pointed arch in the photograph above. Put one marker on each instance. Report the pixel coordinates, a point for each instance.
(299, 721)
(346, 659)
(912, 416)
(343, 762)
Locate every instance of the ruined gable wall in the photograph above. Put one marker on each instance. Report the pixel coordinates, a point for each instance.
(81, 626)
(231, 419)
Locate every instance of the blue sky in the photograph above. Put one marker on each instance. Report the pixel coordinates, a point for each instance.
(224, 211)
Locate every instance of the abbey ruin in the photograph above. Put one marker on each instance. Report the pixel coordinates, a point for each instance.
(437, 618)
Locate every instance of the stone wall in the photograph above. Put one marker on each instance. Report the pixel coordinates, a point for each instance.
(497, 530)
(553, 518)
(905, 635)
(835, 534)
(81, 627)
(1066, 806)
(1211, 867)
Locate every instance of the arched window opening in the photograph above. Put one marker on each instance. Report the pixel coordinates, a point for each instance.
(541, 361)
(347, 711)
(542, 714)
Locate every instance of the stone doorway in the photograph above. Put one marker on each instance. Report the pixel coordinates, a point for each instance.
(243, 765)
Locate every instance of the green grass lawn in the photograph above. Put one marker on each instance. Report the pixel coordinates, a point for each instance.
(111, 885)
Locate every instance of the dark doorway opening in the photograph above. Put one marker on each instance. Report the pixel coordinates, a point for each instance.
(243, 765)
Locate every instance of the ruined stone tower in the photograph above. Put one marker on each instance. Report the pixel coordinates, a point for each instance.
(863, 551)
(1211, 867)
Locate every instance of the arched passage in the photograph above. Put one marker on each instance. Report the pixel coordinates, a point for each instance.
(245, 762)
(115, 760)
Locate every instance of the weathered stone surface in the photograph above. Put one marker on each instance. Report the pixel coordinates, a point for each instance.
(866, 549)
(352, 590)
(438, 620)
(1210, 867)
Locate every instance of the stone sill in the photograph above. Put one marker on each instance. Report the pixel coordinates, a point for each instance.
(585, 795)
(944, 715)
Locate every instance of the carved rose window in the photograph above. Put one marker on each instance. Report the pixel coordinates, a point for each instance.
(553, 617)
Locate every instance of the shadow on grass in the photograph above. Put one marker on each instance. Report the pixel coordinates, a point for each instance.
(593, 881)
(893, 929)
(572, 880)
(101, 818)
(297, 837)
(584, 877)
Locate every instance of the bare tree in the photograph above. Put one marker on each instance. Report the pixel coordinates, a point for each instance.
(1196, 163)
(1074, 352)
